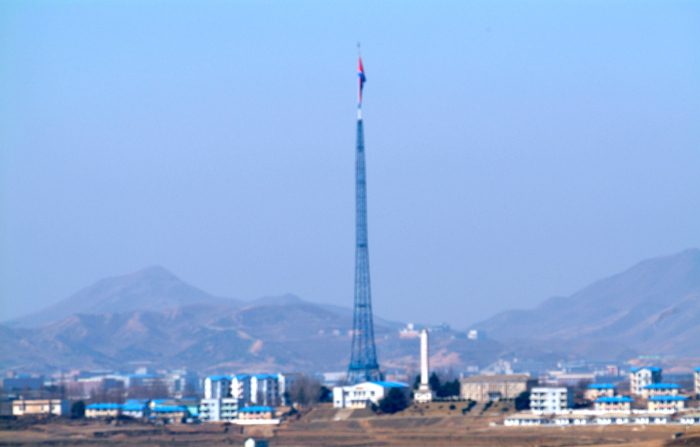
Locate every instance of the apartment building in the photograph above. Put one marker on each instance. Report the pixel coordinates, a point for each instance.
(550, 400)
(643, 376)
(218, 410)
(264, 390)
(217, 387)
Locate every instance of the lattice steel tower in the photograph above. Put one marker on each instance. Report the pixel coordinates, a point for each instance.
(363, 361)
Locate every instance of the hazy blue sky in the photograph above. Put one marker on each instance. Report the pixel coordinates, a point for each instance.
(516, 150)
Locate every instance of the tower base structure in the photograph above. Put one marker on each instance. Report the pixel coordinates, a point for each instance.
(423, 395)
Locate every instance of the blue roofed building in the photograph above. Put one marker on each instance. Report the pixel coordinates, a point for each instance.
(241, 387)
(596, 390)
(264, 390)
(666, 404)
(136, 408)
(171, 414)
(660, 389)
(642, 376)
(614, 404)
(103, 410)
(217, 387)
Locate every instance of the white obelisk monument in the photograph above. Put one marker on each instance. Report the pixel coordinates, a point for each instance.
(424, 393)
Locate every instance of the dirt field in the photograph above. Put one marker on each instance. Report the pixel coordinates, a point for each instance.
(437, 426)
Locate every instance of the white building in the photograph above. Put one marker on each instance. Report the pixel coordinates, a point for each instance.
(697, 382)
(264, 390)
(39, 407)
(666, 404)
(643, 376)
(364, 394)
(614, 404)
(241, 388)
(285, 383)
(409, 331)
(182, 383)
(690, 418)
(217, 387)
(657, 419)
(660, 389)
(103, 410)
(550, 400)
(613, 419)
(474, 334)
(525, 419)
(218, 410)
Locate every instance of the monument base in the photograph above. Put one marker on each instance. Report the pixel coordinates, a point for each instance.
(423, 395)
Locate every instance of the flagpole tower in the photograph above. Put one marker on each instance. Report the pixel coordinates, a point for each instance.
(363, 361)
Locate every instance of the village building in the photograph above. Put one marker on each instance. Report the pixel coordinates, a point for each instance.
(485, 388)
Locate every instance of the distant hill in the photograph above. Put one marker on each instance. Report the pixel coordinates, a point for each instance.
(153, 288)
(651, 308)
(152, 316)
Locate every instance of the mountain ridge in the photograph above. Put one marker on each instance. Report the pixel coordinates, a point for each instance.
(652, 307)
(644, 307)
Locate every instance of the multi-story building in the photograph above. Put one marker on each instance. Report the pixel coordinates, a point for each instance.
(365, 394)
(217, 387)
(182, 383)
(550, 400)
(660, 389)
(666, 404)
(240, 388)
(615, 404)
(596, 390)
(486, 388)
(218, 410)
(264, 390)
(286, 382)
(40, 407)
(643, 376)
(22, 383)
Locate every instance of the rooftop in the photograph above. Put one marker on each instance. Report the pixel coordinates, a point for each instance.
(614, 400)
(497, 378)
(265, 376)
(219, 377)
(601, 386)
(104, 406)
(169, 409)
(391, 384)
(662, 386)
(650, 368)
(667, 398)
(256, 409)
(134, 406)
